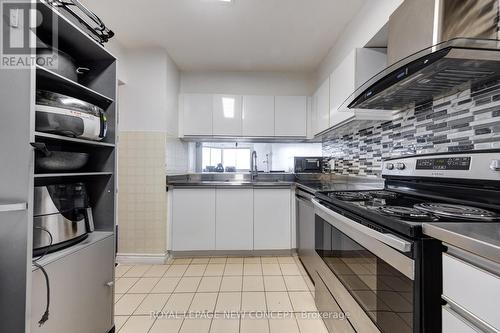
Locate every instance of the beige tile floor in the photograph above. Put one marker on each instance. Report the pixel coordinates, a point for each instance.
(216, 295)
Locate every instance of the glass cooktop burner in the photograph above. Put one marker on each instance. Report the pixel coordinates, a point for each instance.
(458, 211)
(412, 209)
(365, 195)
(383, 194)
(352, 196)
(405, 212)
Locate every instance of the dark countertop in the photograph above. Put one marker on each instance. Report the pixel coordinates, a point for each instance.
(232, 183)
(308, 182)
(482, 239)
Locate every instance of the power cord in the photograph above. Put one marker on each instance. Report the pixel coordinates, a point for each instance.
(35, 263)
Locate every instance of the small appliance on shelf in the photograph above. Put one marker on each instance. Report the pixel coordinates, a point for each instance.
(308, 164)
(63, 115)
(62, 217)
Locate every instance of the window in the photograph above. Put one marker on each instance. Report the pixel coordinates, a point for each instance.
(211, 156)
(238, 158)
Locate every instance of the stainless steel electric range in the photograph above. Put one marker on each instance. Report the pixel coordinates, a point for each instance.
(377, 272)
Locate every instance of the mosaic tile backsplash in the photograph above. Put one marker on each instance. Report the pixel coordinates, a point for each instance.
(466, 121)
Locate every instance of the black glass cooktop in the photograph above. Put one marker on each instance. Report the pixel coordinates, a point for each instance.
(404, 213)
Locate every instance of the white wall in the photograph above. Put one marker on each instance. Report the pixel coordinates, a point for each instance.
(251, 83)
(367, 22)
(143, 100)
(180, 156)
(148, 100)
(172, 103)
(118, 51)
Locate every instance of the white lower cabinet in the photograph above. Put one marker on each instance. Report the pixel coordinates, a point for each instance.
(234, 219)
(231, 219)
(453, 323)
(272, 219)
(193, 227)
(80, 299)
(472, 288)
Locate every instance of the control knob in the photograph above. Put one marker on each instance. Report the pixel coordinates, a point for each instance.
(495, 165)
(400, 166)
(389, 166)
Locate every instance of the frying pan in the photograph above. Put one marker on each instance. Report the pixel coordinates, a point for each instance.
(54, 161)
(65, 63)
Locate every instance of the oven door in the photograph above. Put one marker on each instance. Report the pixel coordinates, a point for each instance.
(368, 271)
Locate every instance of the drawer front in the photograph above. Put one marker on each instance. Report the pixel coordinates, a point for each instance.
(473, 289)
(453, 323)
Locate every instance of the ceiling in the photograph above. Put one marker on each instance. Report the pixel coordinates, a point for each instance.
(246, 35)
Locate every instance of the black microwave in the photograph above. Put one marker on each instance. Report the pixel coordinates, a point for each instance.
(308, 164)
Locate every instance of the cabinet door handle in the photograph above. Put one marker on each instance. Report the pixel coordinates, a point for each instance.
(110, 283)
(13, 207)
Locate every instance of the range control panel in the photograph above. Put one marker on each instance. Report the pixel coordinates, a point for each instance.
(475, 165)
(446, 163)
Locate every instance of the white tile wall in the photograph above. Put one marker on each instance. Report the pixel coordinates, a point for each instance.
(142, 199)
(178, 155)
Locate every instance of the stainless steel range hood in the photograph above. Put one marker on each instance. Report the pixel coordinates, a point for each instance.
(437, 71)
(459, 47)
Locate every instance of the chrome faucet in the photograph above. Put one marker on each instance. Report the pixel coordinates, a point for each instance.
(253, 165)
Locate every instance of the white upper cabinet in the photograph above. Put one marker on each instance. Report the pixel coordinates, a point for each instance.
(197, 112)
(314, 114)
(322, 104)
(357, 68)
(341, 87)
(244, 116)
(311, 117)
(290, 116)
(258, 116)
(227, 115)
(369, 62)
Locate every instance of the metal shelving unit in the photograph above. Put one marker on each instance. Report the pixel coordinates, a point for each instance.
(90, 262)
(72, 174)
(60, 138)
(47, 79)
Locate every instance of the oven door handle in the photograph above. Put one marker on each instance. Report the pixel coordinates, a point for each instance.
(388, 239)
(303, 199)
